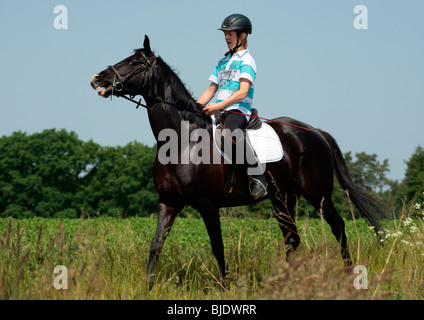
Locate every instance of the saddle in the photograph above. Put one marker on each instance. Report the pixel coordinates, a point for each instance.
(253, 124)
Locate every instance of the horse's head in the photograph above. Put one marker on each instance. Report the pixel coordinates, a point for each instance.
(124, 77)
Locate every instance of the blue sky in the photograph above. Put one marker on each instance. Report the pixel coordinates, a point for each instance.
(365, 87)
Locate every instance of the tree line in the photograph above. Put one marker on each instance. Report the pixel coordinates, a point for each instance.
(55, 174)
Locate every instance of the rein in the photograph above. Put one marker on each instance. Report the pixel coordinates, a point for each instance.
(138, 103)
(120, 86)
(155, 99)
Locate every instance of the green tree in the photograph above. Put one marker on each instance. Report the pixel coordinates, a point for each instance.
(53, 173)
(39, 173)
(367, 171)
(414, 176)
(120, 182)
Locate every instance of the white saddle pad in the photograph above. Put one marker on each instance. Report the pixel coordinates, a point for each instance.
(264, 141)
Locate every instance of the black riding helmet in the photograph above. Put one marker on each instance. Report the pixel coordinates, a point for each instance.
(236, 22)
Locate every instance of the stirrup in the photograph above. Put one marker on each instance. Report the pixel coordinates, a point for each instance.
(261, 184)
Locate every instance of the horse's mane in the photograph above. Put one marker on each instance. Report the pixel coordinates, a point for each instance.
(190, 109)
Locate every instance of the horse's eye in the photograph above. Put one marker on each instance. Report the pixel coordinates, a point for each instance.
(131, 63)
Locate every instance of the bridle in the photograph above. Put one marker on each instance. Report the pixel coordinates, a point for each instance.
(119, 85)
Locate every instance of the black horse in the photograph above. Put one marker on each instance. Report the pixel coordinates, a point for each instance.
(311, 157)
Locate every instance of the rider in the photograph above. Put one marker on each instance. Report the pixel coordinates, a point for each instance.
(232, 81)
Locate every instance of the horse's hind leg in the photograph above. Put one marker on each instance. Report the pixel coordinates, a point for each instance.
(337, 224)
(284, 212)
(166, 217)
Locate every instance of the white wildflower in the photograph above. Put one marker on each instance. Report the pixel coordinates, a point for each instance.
(407, 243)
(407, 222)
(395, 234)
(417, 206)
(413, 228)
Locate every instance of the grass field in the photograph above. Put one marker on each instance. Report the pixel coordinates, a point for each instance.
(106, 258)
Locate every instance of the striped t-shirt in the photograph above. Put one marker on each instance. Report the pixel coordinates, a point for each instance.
(227, 75)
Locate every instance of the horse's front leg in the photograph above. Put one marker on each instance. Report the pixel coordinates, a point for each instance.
(166, 217)
(210, 216)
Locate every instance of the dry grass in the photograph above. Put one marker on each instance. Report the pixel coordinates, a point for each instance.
(107, 258)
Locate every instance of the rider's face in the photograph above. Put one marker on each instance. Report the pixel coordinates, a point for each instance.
(231, 39)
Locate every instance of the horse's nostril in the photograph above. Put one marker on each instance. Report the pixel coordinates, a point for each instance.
(97, 76)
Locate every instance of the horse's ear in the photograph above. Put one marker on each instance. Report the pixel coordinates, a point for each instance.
(146, 44)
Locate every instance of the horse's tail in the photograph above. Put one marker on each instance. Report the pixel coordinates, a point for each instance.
(369, 207)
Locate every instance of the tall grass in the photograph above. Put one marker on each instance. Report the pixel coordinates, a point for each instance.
(106, 258)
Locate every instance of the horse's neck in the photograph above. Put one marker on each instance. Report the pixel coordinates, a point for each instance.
(164, 116)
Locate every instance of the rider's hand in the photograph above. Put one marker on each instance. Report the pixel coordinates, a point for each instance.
(212, 108)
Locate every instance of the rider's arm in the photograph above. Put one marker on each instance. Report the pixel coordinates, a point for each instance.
(239, 95)
(208, 94)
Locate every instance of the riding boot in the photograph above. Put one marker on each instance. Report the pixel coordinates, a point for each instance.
(258, 184)
(243, 154)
